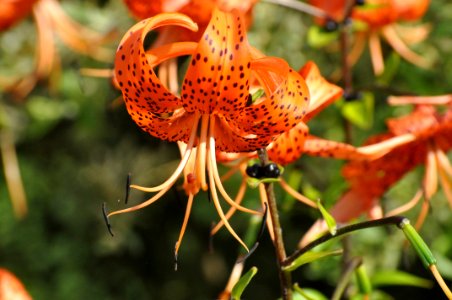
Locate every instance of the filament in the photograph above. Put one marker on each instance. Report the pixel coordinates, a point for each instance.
(180, 167)
(184, 224)
(217, 203)
(232, 210)
(296, 194)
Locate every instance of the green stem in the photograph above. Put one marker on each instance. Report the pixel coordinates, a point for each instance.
(285, 277)
(395, 220)
(346, 276)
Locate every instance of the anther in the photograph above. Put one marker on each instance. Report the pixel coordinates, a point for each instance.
(254, 171)
(271, 171)
(126, 199)
(331, 25)
(107, 222)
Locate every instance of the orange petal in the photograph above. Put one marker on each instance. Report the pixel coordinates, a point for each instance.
(376, 53)
(217, 79)
(322, 92)
(315, 146)
(286, 101)
(230, 139)
(402, 49)
(423, 122)
(141, 88)
(11, 287)
(289, 146)
(432, 100)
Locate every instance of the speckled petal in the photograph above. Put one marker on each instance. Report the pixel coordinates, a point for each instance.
(217, 79)
(285, 102)
(141, 88)
(322, 92)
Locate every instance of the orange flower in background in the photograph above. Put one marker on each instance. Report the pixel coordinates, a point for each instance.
(369, 180)
(213, 111)
(382, 18)
(50, 18)
(12, 11)
(11, 288)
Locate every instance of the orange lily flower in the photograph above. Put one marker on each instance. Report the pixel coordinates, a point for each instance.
(369, 180)
(12, 11)
(50, 18)
(11, 288)
(291, 145)
(213, 111)
(381, 18)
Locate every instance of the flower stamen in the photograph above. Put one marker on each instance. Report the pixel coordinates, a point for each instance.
(184, 224)
(180, 167)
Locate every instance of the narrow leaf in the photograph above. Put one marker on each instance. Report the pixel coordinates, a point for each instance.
(310, 256)
(399, 278)
(307, 294)
(330, 222)
(243, 282)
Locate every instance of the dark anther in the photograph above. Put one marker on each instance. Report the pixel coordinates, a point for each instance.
(107, 222)
(351, 96)
(127, 188)
(360, 2)
(331, 25)
(249, 101)
(271, 171)
(259, 236)
(254, 171)
(175, 258)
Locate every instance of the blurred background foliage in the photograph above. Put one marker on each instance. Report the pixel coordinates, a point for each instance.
(76, 144)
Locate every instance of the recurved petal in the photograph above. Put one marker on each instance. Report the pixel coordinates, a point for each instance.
(422, 122)
(176, 127)
(285, 102)
(315, 146)
(322, 92)
(217, 79)
(141, 88)
(231, 139)
(289, 146)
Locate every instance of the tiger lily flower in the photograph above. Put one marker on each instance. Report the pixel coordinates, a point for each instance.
(369, 180)
(11, 287)
(292, 144)
(213, 111)
(50, 18)
(381, 18)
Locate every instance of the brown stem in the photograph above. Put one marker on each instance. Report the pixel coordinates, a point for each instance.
(346, 68)
(284, 276)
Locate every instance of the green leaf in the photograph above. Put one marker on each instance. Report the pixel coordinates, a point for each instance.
(392, 64)
(311, 256)
(307, 294)
(399, 278)
(243, 282)
(360, 112)
(318, 37)
(330, 221)
(362, 279)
